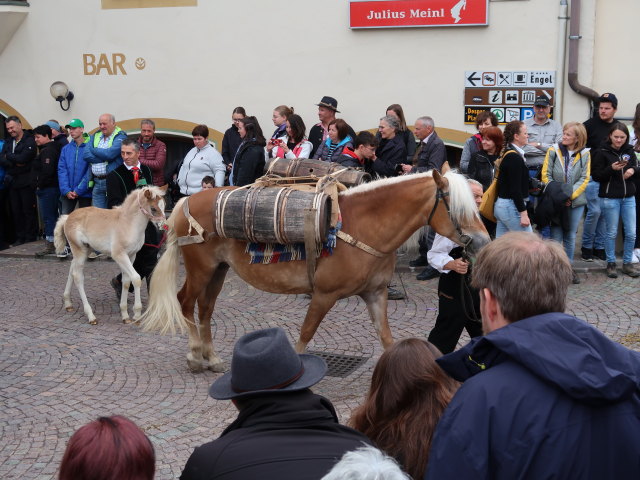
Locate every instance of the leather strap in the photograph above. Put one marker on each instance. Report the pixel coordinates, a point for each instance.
(193, 225)
(345, 237)
(311, 252)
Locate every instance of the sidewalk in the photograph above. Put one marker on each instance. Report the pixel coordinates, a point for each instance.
(28, 250)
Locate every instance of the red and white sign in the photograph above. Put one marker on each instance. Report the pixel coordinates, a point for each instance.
(418, 13)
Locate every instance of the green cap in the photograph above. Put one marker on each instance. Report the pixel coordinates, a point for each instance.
(75, 123)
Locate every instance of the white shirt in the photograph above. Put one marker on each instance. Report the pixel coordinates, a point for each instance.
(438, 256)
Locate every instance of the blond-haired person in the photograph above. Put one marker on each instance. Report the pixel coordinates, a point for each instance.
(569, 162)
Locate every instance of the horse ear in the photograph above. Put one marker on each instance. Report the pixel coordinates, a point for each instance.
(445, 168)
(147, 193)
(164, 187)
(441, 182)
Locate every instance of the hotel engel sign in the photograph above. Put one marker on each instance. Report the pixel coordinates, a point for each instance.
(418, 13)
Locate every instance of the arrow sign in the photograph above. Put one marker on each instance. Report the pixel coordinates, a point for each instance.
(472, 79)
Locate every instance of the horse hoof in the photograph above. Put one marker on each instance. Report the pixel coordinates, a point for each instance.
(195, 366)
(217, 367)
(69, 309)
(127, 321)
(93, 322)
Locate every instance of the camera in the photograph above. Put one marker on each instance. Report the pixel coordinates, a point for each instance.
(276, 141)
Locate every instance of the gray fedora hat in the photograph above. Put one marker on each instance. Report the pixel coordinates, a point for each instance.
(265, 362)
(329, 102)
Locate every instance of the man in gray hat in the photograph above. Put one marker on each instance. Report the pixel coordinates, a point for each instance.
(327, 109)
(283, 430)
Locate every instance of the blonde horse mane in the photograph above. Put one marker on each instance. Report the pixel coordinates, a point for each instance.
(463, 209)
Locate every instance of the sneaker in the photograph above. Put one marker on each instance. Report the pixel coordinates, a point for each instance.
(598, 253)
(611, 270)
(636, 255)
(575, 280)
(394, 294)
(95, 254)
(630, 270)
(65, 253)
(587, 254)
(419, 262)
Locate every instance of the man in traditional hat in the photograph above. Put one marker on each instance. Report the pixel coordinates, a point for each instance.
(327, 109)
(283, 430)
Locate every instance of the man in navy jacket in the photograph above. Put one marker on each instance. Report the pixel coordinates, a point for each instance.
(545, 395)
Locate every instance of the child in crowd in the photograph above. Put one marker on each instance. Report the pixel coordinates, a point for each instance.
(208, 182)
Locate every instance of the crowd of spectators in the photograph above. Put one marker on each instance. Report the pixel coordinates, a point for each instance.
(44, 175)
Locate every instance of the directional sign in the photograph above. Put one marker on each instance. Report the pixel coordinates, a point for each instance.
(509, 94)
(483, 96)
(493, 78)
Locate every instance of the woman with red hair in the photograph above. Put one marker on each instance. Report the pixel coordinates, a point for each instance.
(481, 165)
(408, 394)
(109, 448)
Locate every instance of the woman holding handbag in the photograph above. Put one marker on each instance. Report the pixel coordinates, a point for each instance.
(513, 182)
(569, 162)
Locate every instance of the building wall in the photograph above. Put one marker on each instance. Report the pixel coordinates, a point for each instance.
(202, 61)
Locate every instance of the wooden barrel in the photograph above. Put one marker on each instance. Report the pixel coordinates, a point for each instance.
(303, 167)
(271, 214)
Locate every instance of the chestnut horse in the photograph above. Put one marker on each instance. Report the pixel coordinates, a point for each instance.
(381, 215)
(118, 232)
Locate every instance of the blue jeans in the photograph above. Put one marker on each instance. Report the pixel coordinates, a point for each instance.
(99, 193)
(48, 206)
(593, 230)
(568, 237)
(612, 210)
(508, 217)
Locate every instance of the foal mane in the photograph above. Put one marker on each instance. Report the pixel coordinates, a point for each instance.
(134, 195)
(462, 206)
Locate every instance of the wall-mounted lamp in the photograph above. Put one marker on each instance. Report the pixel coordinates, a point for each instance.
(60, 92)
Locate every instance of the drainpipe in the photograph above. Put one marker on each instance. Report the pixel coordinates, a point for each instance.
(574, 37)
(561, 59)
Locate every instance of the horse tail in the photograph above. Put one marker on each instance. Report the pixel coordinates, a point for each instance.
(58, 234)
(164, 313)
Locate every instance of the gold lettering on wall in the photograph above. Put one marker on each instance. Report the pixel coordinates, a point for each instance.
(103, 65)
(114, 4)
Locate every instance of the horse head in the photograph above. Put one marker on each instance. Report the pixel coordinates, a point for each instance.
(455, 213)
(151, 203)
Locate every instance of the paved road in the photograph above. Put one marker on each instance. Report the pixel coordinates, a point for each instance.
(58, 373)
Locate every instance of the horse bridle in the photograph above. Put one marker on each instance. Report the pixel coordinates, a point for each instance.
(152, 217)
(464, 238)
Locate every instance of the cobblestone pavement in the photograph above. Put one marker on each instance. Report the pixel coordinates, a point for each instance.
(57, 372)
